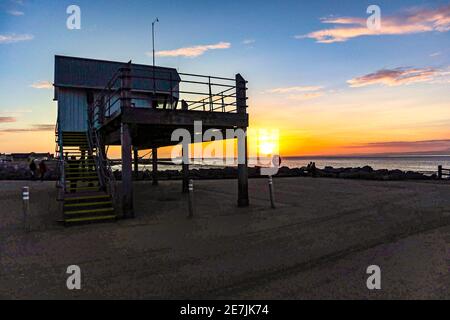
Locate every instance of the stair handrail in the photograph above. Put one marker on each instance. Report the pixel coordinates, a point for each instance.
(59, 151)
(103, 165)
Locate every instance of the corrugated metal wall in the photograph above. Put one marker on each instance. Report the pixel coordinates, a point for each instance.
(72, 110)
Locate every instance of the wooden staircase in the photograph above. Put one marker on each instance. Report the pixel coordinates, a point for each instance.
(85, 198)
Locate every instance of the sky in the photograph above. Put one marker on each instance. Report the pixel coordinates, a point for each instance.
(316, 72)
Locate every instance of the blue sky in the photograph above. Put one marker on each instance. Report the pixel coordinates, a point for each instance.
(270, 58)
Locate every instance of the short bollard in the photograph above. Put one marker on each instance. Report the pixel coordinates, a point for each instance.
(272, 201)
(191, 198)
(26, 207)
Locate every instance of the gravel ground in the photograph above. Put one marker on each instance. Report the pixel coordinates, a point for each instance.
(316, 244)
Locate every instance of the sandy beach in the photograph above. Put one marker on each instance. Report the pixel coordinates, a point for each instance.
(316, 244)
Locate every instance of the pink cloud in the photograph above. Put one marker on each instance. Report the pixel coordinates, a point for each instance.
(42, 85)
(295, 89)
(193, 51)
(33, 128)
(305, 96)
(396, 77)
(7, 119)
(415, 20)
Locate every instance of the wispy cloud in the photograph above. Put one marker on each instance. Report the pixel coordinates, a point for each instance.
(33, 128)
(416, 20)
(298, 93)
(248, 41)
(42, 85)
(406, 146)
(435, 54)
(398, 76)
(193, 51)
(305, 96)
(15, 13)
(13, 38)
(7, 119)
(17, 111)
(283, 90)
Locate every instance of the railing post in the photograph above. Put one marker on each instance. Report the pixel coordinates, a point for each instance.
(241, 94)
(439, 172)
(211, 107)
(61, 159)
(223, 103)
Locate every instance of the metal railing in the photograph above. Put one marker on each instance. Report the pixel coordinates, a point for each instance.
(443, 172)
(168, 90)
(102, 163)
(59, 154)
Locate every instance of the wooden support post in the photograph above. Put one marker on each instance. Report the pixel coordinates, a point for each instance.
(439, 172)
(243, 200)
(127, 169)
(241, 104)
(155, 166)
(125, 137)
(136, 163)
(241, 94)
(185, 170)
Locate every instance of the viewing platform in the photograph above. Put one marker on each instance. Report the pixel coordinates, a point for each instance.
(139, 107)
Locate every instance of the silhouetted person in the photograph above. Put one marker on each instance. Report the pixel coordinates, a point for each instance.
(184, 105)
(42, 169)
(33, 169)
(313, 169)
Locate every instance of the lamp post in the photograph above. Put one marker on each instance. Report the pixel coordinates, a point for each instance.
(153, 38)
(153, 42)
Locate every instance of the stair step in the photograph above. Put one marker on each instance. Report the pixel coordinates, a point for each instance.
(83, 188)
(103, 196)
(89, 211)
(86, 204)
(87, 219)
(81, 173)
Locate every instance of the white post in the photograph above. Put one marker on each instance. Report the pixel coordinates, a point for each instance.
(272, 201)
(191, 198)
(26, 207)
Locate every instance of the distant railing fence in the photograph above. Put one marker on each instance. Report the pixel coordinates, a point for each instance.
(443, 172)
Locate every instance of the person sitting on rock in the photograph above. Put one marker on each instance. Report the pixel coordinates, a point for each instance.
(33, 169)
(42, 169)
(313, 169)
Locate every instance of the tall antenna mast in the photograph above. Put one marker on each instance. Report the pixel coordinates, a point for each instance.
(153, 42)
(153, 38)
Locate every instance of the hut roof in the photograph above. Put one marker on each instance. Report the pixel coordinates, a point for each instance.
(74, 72)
